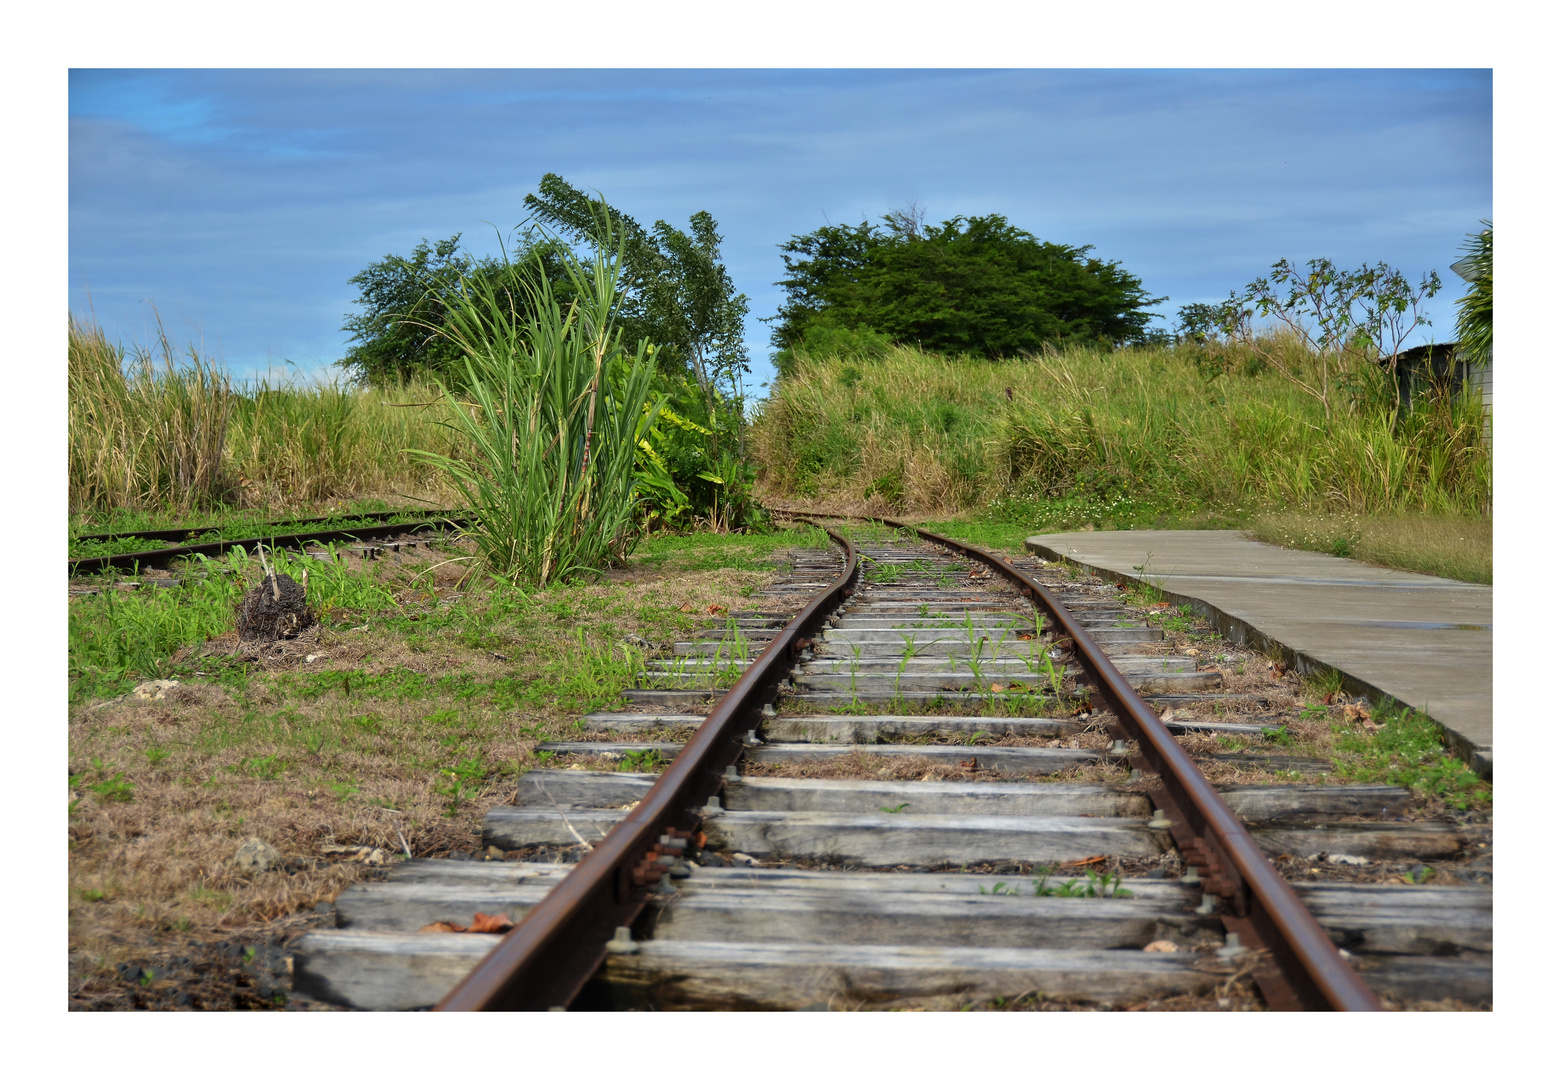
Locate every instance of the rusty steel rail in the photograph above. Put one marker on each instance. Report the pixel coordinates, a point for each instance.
(190, 533)
(1267, 914)
(555, 949)
(163, 556)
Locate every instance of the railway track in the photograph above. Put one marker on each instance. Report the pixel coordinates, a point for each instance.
(183, 543)
(870, 817)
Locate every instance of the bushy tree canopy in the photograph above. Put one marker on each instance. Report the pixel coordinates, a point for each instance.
(407, 303)
(971, 285)
(677, 290)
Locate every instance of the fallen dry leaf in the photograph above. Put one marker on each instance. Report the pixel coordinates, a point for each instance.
(1162, 946)
(490, 924)
(1090, 861)
(481, 924)
(686, 607)
(970, 765)
(997, 688)
(1356, 711)
(1329, 696)
(1371, 727)
(715, 609)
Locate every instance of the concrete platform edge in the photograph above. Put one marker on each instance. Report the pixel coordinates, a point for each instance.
(1479, 759)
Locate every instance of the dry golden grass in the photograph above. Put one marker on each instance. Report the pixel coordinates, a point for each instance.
(1460, 548)
(934, 434)
(1138, 438)
(171, 433)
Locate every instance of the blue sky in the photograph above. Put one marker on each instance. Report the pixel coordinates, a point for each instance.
(239, 202)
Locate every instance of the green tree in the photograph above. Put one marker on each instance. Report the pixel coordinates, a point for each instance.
(677, 291)
(405, 303)
(1342, 318)
(1195, 322)
(970, 285)
(1477, 307)
(408, 302)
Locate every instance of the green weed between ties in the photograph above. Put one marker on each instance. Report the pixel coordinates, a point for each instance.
(1100, 886)
(466, 779)
(1407, 750)
(641, 761)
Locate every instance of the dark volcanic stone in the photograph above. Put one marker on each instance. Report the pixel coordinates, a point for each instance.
(276, 608)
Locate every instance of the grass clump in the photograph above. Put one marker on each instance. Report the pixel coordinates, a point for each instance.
(558, 410)
(1407, 749)
(144, 436)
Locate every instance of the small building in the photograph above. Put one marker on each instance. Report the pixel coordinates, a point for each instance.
(1424, 366)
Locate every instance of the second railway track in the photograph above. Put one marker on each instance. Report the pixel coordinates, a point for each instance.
(871, 817)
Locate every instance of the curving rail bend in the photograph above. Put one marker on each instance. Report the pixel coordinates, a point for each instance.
(545, 961)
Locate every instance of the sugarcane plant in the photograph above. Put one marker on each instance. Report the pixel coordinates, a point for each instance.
(554, 407)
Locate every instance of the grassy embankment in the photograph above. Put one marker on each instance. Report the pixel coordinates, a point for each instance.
(1136, 438)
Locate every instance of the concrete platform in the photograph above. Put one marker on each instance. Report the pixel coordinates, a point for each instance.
(1423, 641)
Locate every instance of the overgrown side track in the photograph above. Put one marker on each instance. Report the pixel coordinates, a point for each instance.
(162, 557)
(809, 847)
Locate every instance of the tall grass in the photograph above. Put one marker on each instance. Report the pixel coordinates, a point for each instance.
(556, 410)
(304, 445)
(165, 434)
(922, 432)
(146, 435)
